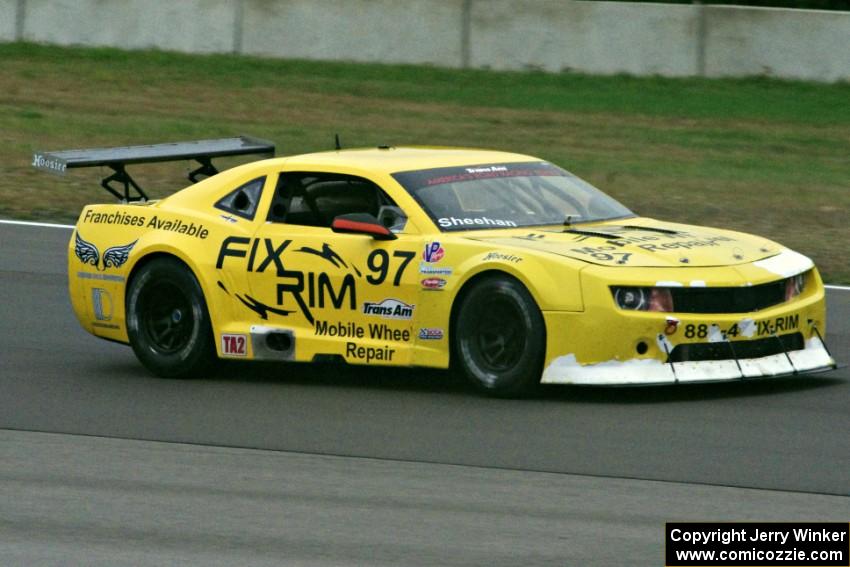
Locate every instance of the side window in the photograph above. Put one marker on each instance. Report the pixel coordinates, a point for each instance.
(243, 200)
(315, 199)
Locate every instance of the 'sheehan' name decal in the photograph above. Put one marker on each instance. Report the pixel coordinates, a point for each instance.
(450, 222)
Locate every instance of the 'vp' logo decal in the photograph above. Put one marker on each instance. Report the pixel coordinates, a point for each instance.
(433, 252)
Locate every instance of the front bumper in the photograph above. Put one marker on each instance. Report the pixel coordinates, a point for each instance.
(607, 345)
(566, 370)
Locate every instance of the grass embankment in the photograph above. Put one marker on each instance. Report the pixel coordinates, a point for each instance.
(761, 156)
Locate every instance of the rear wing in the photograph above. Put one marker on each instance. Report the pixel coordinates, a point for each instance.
(202, 151)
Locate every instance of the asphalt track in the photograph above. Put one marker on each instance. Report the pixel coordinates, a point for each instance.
(337, 466)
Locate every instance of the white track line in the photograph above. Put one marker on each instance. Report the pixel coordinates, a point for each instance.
(31, 223)
(50, 225)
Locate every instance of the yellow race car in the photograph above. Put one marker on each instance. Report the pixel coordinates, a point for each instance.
(502, 265)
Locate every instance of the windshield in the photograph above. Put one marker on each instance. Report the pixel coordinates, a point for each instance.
(507, 196)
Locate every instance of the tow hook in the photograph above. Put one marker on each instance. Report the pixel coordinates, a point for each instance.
(672, 326)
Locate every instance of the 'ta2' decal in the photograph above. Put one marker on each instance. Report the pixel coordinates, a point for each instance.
(234, 345)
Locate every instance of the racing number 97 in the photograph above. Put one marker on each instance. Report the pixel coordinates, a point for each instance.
(379, 264)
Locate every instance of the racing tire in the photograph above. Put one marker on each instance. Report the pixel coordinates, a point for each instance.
(499, 337)
(167, 320)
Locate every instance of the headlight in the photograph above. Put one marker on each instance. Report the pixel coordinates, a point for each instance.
(631, 298)
(643, 298)
(794, 286)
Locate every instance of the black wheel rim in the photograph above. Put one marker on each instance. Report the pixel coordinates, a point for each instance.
(499, 338)
(167, 319)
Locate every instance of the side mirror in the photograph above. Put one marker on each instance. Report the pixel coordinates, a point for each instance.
(362, 223)
(392, 217)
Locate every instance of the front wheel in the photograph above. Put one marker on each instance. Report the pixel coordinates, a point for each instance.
(167, 320)
(499, 337)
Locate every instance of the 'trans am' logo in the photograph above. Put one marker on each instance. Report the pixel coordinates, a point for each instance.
(389, 309)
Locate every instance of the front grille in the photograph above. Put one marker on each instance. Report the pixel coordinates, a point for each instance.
(727, 299)
(742, 349)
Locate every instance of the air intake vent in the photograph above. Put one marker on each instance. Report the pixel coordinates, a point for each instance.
(727, 299)
(272, 343)
(756, 348)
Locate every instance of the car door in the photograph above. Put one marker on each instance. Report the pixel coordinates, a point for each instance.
(337, 294)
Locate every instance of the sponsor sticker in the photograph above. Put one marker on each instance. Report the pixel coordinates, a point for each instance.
(433, 252)
(714, 332)
(433, 283)
(307, 290)
(425, 268)
(101, 304)
(502, 257)
(430, 334)
(102, 277)
(325, 289)
(389, 309)
(234, 345)
(50, 164)
(352, 330)
(486, 169)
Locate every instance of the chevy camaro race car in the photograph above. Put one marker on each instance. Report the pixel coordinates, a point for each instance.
(500, 264)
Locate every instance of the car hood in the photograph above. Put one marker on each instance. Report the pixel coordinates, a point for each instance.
(640, 242)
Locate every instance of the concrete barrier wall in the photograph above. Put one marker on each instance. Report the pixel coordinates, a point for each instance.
(591, 37)
(777, 42)
(390, 31)
(200, 26)
(8, 15)
(550, 35)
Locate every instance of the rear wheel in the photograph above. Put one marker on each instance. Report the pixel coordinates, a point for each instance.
(167, 320)
(499, 337)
